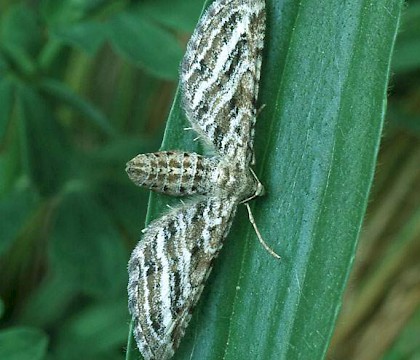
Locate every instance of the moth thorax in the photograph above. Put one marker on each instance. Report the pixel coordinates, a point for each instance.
(233, 180)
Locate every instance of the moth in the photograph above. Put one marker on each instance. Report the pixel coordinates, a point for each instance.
(219, 84)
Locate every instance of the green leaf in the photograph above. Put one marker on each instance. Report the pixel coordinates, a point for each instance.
(43, 145)
(402, 117)
(87, 248)
(61, 11)
(23, 344)
(20, 37)
(20, 29)
(58, 293)
(3, 65)
(87, 36)
(407, 48)
(144, 43)
(15, 209)
(119, 151)
(10, 164)
(177, 14)
(1, 308)
(324, 83)
(69, 97)
(126, 203)
(68, 11)
(97, 330)
(6, 105)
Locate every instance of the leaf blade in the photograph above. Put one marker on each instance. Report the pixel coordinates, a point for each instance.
(324, 151)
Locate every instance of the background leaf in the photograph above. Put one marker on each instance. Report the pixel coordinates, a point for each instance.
(1, 308)
(88, 36)
(20, 36)
(6, 104)
(83, 229)
(44, 157)
(133, 36)
(14, 211)
(67, 96)
(92, 327)
(19, 29)
(408, 47)
(176, 14)
(23, 344)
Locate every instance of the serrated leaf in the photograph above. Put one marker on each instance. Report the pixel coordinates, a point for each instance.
(144, 43)
(324, 83)
(23, 344)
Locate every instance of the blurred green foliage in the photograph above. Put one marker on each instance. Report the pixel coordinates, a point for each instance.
(85, 86)
(79, 84)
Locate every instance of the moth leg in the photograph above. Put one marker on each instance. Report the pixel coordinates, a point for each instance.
(259, 236)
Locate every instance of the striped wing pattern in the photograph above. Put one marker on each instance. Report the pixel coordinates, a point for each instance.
(220, 75)
(168, 269)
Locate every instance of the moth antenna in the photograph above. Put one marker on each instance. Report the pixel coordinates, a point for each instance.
(188, 128)
(263, 243)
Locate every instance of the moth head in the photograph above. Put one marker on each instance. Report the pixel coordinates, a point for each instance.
(259, 191)
(259, 188)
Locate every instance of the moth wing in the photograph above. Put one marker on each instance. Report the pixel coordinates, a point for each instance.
(220, 75)
(167, 271)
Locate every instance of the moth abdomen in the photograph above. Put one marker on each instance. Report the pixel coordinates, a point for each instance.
(175, 173)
